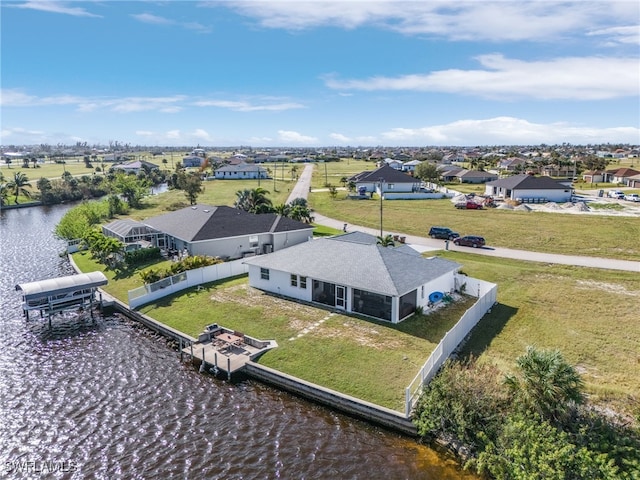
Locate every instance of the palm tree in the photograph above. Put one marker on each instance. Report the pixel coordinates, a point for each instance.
(253, 200)
(546, 384)
(386, 241)
(19, 185)
(4, 194)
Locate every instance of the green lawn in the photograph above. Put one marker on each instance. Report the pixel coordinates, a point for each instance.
(590, 235)
(373, 361)
(590, 315)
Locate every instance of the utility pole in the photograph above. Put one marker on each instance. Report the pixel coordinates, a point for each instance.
(381, 208)
(326, 181)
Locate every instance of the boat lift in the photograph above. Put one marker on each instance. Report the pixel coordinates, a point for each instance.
(60, 294)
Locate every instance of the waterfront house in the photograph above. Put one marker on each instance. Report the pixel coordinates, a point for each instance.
(216, 231)
(352, 273)
(529, 188)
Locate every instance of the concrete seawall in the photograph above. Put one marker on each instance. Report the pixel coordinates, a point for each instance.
(344, 403)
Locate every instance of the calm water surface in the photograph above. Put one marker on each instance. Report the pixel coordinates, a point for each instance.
(107, 399)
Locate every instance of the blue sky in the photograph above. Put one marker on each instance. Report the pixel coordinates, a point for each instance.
(295, 74)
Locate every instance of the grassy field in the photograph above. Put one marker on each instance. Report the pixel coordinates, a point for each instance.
(590, 315)
(590, 235)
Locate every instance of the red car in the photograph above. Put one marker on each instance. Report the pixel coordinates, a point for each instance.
(469, 241)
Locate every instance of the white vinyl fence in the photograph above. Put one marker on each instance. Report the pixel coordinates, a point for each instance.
(190, 278)
(486, 293)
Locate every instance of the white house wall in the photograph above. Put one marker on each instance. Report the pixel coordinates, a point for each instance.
(287, 239)
(279, 283)
(551, 195)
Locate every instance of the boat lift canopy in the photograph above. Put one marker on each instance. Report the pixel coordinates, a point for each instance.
(62, 293)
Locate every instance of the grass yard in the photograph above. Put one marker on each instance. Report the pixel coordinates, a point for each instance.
(590, 235)
(373, 361)
(119, 282)
(590, 315)
(216, 192)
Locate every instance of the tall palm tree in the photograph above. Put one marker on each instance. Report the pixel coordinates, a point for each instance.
(19, 185)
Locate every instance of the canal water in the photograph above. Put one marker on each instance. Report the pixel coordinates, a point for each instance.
(107, 399)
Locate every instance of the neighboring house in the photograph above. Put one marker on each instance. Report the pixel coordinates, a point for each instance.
(593, 176)
(633, 181)
(242, 171)
(528, 188)
(475, 176)
(411, 166)
(449, 173)
(220, 231)
(352, 273)
(511, 164)
(386, 180)
(395, 164)
(135, 166)
(192, 161)
(132, 233)
(620, 175)
(557, 170)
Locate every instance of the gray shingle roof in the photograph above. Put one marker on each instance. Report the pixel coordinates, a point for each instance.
(388, 175)
(205, 222)
(525, 181)
(384, 270)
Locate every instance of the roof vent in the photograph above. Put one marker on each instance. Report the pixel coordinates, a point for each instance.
(194, 208)
(206, 211)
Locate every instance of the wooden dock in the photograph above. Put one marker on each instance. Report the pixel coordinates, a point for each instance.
(226, 357)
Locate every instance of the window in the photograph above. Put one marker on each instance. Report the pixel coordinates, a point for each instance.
(253, 241)
(303, 282)
(264, 273)
(390, 186)
(422, 291)
(294, 280)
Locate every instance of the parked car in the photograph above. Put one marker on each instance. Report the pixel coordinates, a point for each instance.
(615, 194)
(469, 205)
(470, 241)
(632, 197)
(443, 233)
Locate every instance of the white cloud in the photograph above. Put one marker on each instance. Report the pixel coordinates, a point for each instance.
(241, 106)
(508, 131)
(201, 134)
(158, 20)
(338, 137)
(574, 78)
(52, 6)
(617, 35)
(462, 20)
(291, 138)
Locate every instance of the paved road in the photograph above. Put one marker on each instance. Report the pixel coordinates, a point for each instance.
(423, 244)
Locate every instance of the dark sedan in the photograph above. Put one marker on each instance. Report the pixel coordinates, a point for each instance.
(469, 241)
